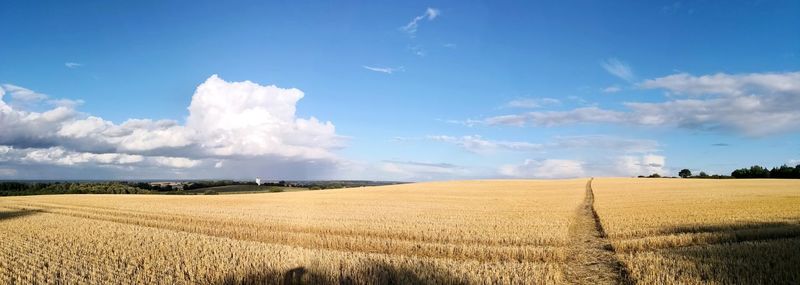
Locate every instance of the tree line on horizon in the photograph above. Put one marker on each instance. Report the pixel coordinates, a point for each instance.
(40, 188)
(14, 188)
(755, 171)
(20, 188)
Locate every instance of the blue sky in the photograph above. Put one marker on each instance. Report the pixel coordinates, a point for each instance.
(412, 90)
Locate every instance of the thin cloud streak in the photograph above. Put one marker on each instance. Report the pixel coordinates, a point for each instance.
(480, 145)
(412, 26)
(387, 70)
(531, 103)
(618, 69)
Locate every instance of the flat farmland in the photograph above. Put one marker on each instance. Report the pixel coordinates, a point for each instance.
(514, 232)
(580, 231)
(703, 231)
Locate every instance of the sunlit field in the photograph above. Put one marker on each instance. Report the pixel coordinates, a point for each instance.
(585, 231)
(448, 232)
(699, 231)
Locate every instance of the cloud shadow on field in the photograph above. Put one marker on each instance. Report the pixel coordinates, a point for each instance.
(7, 215)
(747, 253)
(372, 272)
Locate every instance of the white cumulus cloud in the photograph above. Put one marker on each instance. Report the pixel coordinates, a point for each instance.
(547, 168)
(756, 104)
(226, 120)
(641, 165)
(244, 118)
(22, 94)
(62, 156)
(176, 162)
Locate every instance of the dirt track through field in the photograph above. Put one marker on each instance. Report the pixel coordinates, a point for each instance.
(591, 256)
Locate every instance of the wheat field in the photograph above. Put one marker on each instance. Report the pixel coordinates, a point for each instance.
(512, 232)
(580, 231)
(703, 231)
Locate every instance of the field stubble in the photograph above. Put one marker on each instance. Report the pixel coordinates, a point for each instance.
(512, 232)
(692, 231)
(648, 231)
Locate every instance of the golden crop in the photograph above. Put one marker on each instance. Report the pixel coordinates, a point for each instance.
(445, 232)
(693, 231)
(648, 231)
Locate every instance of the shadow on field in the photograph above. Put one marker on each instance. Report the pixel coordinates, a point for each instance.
(7, 215)
(754, 253)
(756, 230)
(368, 273)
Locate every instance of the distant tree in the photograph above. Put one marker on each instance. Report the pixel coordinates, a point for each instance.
(684, 173)
(754, 171)
(784, 171)
(759, 172)
(654, 175)
(741, 173)
(703, 174)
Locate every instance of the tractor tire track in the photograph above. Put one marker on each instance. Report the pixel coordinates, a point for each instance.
(592, 259)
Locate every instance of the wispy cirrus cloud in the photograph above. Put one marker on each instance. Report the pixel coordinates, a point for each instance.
(72, 64)
(387, 70)
(618, 68)
(417, 50)
(411, 28)
(612, 89)
(557, 118)
(419, 171)
(478, 144)
(531, 103)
